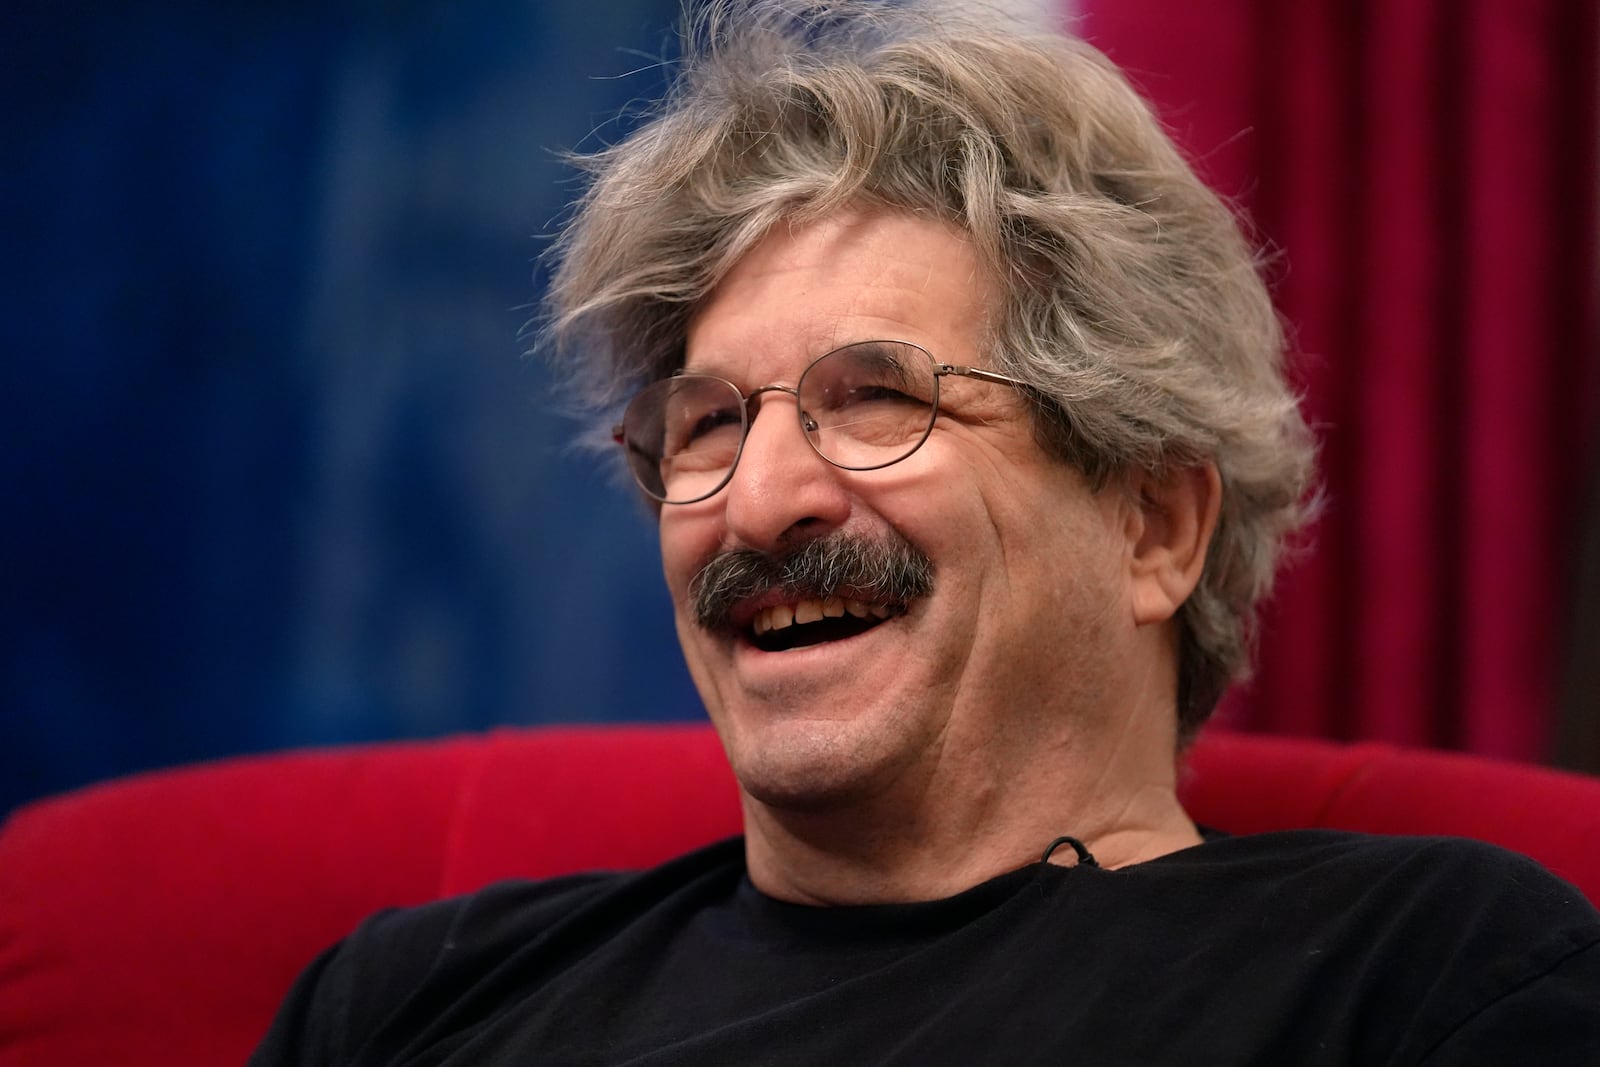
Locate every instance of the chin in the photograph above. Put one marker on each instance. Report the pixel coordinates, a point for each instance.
(814, 765)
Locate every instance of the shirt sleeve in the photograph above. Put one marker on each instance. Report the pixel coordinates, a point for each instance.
(1552, 1018)
(347, 992)
(307, 1026)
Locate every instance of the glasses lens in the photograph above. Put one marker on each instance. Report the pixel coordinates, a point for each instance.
(682, 436)
(871, 404)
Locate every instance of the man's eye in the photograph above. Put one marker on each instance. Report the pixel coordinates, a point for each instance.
(878, 394)
(709, 423)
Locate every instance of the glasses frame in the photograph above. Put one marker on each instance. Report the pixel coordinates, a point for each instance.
(806, 423)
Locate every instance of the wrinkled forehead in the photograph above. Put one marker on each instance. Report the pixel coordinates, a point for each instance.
(805, 289)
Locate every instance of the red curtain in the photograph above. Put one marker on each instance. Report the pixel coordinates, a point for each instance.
(1426, 171)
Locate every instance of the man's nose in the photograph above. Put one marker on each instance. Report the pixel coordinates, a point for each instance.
(782, 491)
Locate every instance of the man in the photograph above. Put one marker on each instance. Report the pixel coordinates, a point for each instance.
(959, 401)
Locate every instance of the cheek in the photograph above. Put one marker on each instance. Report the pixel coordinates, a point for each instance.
(687, 541)
(1056, 545)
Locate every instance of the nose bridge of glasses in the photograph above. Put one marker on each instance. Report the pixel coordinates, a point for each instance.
(752, 402)
(753, 399)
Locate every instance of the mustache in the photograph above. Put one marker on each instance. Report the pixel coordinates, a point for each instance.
(888, 570)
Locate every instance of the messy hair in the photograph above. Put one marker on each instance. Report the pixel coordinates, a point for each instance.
(1132, 303)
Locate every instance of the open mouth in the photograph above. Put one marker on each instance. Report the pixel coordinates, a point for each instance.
(811, 621)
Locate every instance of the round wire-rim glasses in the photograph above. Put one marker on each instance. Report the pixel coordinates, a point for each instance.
(862, 406)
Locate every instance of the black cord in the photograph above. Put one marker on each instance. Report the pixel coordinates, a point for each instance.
(1085, 857)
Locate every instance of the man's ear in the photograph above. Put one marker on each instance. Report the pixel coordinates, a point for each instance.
(1176, 514)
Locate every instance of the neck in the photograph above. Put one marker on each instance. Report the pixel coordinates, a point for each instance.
(925, 839)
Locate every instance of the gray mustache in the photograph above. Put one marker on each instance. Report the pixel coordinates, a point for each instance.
(887, 571)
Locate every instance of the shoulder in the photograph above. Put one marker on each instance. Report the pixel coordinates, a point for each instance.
(1334, 851)
(398, 946)
(515, 911)
(518, 913)
(350, 989)
(409, 955)
(1441, 881)
(1476, 946)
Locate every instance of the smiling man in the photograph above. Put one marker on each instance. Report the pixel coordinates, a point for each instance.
(959, 403)
(1015, 621)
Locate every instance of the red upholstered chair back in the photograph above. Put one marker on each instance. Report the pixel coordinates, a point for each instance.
(158, 920)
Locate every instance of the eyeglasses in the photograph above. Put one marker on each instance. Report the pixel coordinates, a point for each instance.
(864, 406)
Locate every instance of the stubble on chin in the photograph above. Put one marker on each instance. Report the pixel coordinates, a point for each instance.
(802, 763)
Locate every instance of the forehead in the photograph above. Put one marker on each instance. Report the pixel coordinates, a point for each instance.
(805, 289)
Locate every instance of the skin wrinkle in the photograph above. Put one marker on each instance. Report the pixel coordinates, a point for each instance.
(1139, 800)
(1157, 798)
(1009, 572)
(995, 419)
(1131, 841)
(1142, 826)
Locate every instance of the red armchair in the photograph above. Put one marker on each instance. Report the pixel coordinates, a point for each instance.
(158, 920)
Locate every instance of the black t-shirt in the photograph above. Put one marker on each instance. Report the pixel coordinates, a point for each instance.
(1307, 947)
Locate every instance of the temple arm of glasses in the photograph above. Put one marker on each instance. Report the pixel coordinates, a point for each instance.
(622, 439)
(981, 375)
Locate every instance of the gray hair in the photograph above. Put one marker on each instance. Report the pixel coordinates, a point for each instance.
(1132, 302)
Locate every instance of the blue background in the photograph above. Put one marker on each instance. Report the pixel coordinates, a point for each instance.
(277, 471)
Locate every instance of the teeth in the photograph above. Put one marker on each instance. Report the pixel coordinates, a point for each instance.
(783, 616)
